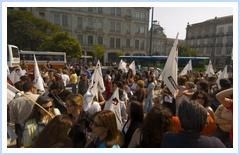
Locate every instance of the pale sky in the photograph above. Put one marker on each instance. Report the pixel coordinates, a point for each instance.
(175, 19)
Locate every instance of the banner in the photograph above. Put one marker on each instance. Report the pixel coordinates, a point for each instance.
(132, 66)
(169, 73)
(186, 69)
(38, 80)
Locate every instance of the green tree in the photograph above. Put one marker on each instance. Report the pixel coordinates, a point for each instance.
(62, 42)
(27, 31)
(184, 50)
(99, 51)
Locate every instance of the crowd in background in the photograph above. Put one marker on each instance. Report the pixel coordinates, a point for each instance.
(199, 114)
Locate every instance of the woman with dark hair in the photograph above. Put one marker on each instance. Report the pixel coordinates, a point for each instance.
(37, 120)
(104, 127)
(193, 118)
(135, 119)
(201, 97)
(55, 134)
(157, 121)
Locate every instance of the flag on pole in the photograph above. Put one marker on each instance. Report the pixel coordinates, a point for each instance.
(187, 68)
(11, 93)
(132, 66)
(113, 104)
(16, 74)
(222, 75)
(123, 66)
(97, 83)
(210, 70)
(38, 80)
(169, 73)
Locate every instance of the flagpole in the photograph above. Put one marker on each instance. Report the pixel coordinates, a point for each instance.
(34, 102)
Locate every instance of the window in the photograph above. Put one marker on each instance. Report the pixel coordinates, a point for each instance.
(118, 43)
(128, 12)
(64, 20)
(100, 24)
(113, 11)
(115, 26)
(91, 23)
(118, 11)
(230, 29)
(142, 45)
(80, 38)
(100, 40)
(90, 9)
(111, 42)
(79, 22)
(57, 19)
(128, 28)
(118, 27)
(90, 40)
(137, 44)
(100, 10)
(112, 26)
(128, 43)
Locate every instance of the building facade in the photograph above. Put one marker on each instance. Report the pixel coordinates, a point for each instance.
(120, 30)
(213, 38)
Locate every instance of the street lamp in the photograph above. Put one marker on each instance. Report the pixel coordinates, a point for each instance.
(150, 48)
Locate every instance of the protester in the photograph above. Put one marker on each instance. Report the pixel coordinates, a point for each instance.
(55, 134)
(37, 120)
(83, 84)
(135, 119)
(224, 116)
(20, 109)
(104, 127)
(79, 118)
(157, 122)
(193, 118)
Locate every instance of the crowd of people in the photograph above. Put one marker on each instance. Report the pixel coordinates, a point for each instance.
(199, 114)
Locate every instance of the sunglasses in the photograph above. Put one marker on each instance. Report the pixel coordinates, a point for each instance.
(49, 107)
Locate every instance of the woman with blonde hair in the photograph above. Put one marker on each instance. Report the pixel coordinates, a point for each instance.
(104, 128)
(79, 118)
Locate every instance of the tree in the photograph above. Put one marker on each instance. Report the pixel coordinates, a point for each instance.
(62, 42)
(99, 51)
(27, 31)
(31, 33)
(184, 50)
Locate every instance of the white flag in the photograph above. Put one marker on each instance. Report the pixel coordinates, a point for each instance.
(38, 80)
(210, 70)
(97, 83)
(132, 66)
(123, 66)
(8, 72)
(16, 74)
(169, 73)
(11, 93)
(222, 75)
(113, 104)
(187, 68)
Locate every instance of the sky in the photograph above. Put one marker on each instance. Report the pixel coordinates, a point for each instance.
(175, 19)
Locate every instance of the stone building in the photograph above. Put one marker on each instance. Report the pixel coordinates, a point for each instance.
(213, 38)
(119, 30)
